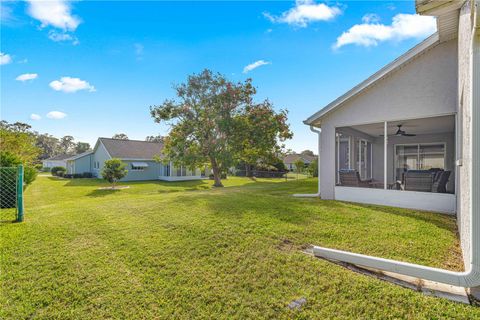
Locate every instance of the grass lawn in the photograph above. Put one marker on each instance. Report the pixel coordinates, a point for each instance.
(186, 251)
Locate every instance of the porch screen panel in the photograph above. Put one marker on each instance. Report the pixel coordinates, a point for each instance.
(342, 147)
(432, 156)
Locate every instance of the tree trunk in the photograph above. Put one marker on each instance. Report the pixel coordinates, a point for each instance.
(216, 173)
(248, 171)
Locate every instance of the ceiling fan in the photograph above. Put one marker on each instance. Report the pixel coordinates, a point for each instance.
(401, 132)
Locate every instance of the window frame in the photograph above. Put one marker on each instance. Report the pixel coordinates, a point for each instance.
(395, 162)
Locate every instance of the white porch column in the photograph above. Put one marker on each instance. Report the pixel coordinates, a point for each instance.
(385, 144)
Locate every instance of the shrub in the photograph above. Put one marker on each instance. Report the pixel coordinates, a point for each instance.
(29, 174)
(8, 178)
(87, 175)
(313, 168)
(114, 170)
(8, 159)
(68, 175)
(58, 171)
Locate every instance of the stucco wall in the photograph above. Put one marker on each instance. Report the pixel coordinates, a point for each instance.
(101, 156)
(464, 119)
(425, 87)
(152, 172)
(83, 164)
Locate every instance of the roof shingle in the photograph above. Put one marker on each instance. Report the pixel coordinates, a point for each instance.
(132, 149)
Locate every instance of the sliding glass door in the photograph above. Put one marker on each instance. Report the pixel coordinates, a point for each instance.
(418, 157)
(364, 158)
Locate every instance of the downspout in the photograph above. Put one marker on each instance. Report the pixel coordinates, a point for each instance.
(314, 195)
(469, 278)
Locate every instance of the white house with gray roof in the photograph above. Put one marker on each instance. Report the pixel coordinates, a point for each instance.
(409, 136)
(138, 155)
(56, 161)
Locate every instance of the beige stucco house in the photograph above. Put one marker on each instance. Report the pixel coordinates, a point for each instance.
(409, 135)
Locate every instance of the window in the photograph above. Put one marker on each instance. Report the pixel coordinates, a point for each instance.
(135, 168)
(166, 170)
(418, 157)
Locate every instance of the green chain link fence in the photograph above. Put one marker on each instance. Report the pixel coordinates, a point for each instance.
(11, 194)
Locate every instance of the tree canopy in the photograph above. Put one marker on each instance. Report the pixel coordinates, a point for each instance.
(18, 140)
(158, 138)
(307, 153)
(120, 136)
(82, 147)
(258, 133)
(213, 120)
(113, 170)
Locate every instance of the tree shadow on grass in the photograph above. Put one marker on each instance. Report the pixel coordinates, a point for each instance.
(99, 193)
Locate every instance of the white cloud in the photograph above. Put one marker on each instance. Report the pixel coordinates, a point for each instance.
(305, 12)
(35, 117)
(56, 115)
(62, 36)
(371, 18)
(255, 65)
(5, 58)
(27, 76)
(404, 26)
(55, 13)
(68, 84)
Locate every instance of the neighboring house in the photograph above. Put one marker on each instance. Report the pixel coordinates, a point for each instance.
(57, 161)
(138, 155)
(290, 159)
(416, 113)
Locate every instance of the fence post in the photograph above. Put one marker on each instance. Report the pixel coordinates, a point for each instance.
(20, 193)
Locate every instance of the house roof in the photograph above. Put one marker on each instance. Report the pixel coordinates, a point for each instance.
(411, 54)
(80, 155)
(59, 157)
(291, 158)
(132, 149)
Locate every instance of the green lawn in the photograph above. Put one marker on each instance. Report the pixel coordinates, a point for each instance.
(186, 251)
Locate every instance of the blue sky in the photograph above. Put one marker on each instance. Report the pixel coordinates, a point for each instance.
(91, 68)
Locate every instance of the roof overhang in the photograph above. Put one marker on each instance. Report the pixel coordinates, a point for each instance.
(78, 156)
(411, 54)
(437, 7)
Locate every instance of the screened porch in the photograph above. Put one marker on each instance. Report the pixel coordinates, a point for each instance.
(410, 160)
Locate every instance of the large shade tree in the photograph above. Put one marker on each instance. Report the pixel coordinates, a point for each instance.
(48, 144)
(207, 121)
(202, 120)
(259, 132)
(67, 145)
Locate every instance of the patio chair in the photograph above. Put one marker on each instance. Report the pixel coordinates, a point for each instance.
(440, 181)
(418, 180)
(351, 178)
